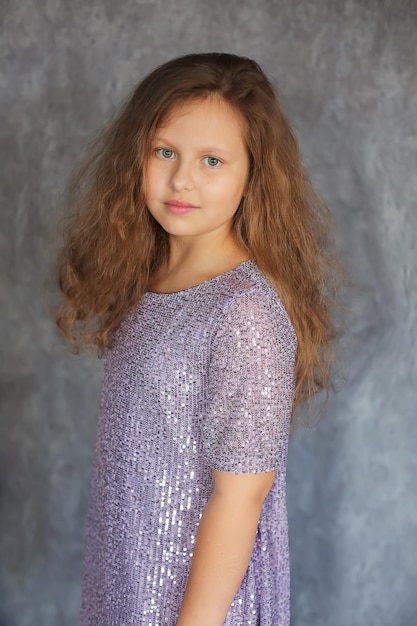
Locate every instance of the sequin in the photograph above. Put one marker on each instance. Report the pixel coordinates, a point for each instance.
(197, 379)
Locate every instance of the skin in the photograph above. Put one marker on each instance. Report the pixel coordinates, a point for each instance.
(223, 547)
(199, 156)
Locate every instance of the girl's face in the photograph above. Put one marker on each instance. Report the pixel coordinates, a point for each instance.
(197, 171)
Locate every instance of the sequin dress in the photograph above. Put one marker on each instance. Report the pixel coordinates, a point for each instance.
(196, 379)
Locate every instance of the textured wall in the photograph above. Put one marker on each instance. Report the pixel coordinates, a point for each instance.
(347, 72)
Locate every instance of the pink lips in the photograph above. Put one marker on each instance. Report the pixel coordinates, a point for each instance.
(178, 207)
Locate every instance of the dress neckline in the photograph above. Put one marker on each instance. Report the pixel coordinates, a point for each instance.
(191, 290)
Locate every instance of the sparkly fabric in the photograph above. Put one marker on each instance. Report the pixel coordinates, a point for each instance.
(197, 379)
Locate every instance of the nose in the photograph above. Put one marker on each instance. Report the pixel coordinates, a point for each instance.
(182, 176)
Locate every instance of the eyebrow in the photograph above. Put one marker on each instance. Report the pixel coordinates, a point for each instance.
(206, 149)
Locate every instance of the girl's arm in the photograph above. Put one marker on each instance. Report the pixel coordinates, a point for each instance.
(223, 546)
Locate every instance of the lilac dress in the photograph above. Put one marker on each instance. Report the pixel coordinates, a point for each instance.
(196, 379)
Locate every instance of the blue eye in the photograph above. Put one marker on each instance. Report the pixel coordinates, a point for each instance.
(165, 153)
(212, 161)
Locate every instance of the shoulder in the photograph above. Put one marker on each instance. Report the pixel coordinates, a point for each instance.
(247, 297)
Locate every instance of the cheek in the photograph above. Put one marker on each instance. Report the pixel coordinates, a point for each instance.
(150, 181)
(231, 188)
(222, 185)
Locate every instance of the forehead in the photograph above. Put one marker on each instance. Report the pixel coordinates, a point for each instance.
(209, 118)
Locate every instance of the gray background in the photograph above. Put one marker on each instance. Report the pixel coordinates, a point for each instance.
(347, 76)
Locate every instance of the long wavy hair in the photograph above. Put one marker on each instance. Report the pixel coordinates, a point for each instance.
(113, 246)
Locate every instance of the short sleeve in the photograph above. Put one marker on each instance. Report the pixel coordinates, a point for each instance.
(245, 428)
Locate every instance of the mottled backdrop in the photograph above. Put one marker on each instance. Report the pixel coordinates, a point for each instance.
(347, 74)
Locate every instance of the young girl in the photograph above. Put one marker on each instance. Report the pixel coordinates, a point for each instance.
(196, 262)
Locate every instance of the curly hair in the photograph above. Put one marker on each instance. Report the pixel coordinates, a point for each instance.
(113, 246)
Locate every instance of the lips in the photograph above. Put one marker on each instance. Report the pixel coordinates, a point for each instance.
(180, 203)
(178, 206)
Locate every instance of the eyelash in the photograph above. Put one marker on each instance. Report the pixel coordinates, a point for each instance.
(159, 150)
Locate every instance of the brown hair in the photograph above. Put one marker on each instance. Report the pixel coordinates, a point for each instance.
(113, 246)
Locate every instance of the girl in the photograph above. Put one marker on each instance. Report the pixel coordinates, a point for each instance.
(196, 262)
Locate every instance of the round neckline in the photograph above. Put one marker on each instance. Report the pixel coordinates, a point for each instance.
(192, 289)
